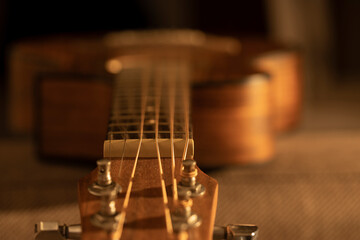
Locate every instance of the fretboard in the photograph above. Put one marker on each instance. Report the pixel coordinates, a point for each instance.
(150, 101)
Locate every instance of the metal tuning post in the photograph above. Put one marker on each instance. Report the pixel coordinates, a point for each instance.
(188, 179)
(236, 232)
(183, 218)
(107, 217)
(104, 183)
(54, 231)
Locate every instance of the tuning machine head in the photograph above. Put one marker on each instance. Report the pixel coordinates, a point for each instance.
(183, 218)
(236, 232)
(188, 179)
(107, 217)
(104, 183)
(54, 231)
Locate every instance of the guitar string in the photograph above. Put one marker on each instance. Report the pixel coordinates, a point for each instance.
(186, 117)
(125, 137)
(158, 86)
(145, 78)
(172, 80)
(115, 114)
(185, 89)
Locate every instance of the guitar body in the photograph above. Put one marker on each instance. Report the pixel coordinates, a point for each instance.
(249, 134)
(284, 67)
(233, 121)
(145, 214)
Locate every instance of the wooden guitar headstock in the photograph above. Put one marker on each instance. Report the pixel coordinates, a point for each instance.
(145, 215)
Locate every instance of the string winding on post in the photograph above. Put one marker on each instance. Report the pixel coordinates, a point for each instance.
(188, 179)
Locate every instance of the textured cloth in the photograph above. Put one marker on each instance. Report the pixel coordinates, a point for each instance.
(31, 191)
(309, 191)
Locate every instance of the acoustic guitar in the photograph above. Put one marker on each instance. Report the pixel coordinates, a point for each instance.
(148, 185)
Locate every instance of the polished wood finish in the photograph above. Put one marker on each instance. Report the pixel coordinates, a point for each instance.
(283, 64)
(31, 58)
(232, 121)
(284, 67)
(145, 214)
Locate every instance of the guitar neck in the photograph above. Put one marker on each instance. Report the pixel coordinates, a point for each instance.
(149, 138)
(158, 93)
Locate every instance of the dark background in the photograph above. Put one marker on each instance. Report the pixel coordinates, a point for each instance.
(28, 19)
(23, 19)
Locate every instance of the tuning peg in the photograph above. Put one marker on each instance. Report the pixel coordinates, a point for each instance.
(183, 218)
(236, 232)
(54, 231)
(104, 183)
(188, 179)
(107, 217)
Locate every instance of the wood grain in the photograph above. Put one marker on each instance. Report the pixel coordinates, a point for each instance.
(232, 121)
(145, 214)
(284, 67)
(32, 57)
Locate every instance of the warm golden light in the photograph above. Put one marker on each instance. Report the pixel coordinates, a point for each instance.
(113, 66)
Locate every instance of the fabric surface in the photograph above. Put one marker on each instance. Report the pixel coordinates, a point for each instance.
(309, 191)
(32, 191)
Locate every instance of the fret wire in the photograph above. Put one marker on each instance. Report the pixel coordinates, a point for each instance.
(145, 132)
(126, 115)
(164, 128)
(123, 117)
(150, 135)
(116, 124)
(176, 108)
